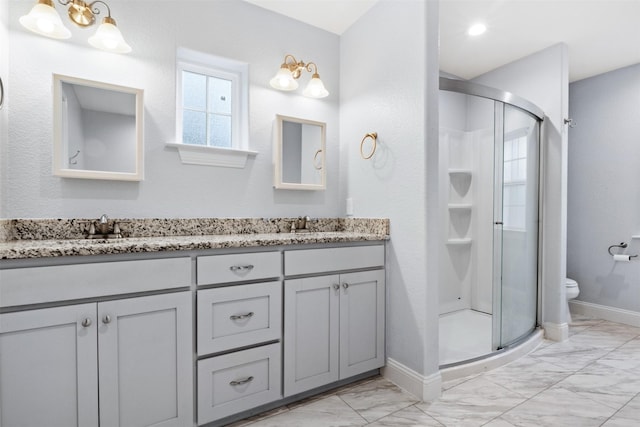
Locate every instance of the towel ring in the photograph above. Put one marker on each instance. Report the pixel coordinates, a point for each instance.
(1, 93)
(374, 138)
(315, 160)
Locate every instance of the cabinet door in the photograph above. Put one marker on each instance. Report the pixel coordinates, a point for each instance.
(48, 367)
(145, 356)
(362, 302)
(311, 333)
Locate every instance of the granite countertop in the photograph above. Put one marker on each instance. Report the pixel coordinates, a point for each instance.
(23, 241)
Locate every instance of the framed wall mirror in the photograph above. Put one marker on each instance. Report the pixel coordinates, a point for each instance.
(97, 130)
(299, 154)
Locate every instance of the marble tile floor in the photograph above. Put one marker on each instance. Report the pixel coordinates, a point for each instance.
(592, 379)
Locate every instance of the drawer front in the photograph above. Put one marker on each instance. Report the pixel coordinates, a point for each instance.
(34, 285)
(237, 316)
(238, 267)
(238, 381)
(309, 261)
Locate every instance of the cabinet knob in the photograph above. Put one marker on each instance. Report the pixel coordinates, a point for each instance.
(86, 322)
(106, 319)
(336, 286)
(345, 285)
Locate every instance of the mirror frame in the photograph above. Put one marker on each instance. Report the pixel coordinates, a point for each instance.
(60, 167)
(277, 155)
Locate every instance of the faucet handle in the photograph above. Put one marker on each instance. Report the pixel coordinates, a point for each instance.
(104, 219)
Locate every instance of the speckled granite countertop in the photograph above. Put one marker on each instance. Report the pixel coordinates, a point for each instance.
(34, 238)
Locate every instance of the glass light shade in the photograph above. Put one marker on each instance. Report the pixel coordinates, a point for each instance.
(315, 88)
(43, 19)
(283, 80)
(109, 38)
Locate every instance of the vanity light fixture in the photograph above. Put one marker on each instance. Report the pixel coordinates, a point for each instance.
(43, 19)
(290, 71)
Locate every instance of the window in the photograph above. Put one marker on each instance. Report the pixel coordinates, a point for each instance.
(211, 109)
(515, 183)
(208, 103)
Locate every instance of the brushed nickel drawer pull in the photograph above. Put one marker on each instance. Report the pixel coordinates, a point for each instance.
(241, 268)
(242, 381)
(241, 316)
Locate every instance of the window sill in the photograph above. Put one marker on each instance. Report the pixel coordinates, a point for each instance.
(212, 156)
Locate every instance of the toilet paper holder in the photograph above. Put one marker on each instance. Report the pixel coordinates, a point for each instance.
(622, 245)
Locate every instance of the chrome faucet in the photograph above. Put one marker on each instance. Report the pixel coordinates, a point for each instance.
(99, 229)
(301, 225)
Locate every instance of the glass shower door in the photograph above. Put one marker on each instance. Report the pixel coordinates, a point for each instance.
(515, 225)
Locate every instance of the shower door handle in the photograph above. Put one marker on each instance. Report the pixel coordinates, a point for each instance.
(498, 223)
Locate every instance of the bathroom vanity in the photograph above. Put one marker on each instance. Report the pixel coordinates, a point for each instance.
(186, 330)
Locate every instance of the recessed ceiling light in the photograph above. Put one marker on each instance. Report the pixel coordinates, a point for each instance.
(476, 29)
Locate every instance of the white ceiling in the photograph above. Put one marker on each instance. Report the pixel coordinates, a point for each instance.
(602, 35)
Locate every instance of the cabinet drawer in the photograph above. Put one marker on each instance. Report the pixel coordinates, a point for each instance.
(238, 267)
(238, 381)
(35, 285)
(309, 261)
(236, 316)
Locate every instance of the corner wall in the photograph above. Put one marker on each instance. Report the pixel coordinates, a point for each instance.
(389, 85)
(232, 29)
(604, 189)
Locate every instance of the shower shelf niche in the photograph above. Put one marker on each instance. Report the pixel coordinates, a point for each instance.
(462, 172)
(460, 206)
(465, 241)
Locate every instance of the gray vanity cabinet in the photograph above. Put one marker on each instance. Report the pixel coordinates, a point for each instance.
(333, 324)
(107, 362)
(49, 367)
(115, 363)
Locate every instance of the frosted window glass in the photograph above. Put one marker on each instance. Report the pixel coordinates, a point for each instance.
(507, 150)
(194, 91)
(219, 96)
(219, 130)
(507, 172)
(522, 148)
(522, 169)
(194, 127)
(518, 193)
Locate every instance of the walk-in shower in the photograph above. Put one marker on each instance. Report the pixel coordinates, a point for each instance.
(489, 193)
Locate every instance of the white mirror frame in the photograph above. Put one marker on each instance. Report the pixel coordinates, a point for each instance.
(278, 155)
(60, 152)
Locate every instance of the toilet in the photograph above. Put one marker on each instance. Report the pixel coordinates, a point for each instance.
(572, 292)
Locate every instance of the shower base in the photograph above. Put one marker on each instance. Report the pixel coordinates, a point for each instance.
(464, 335)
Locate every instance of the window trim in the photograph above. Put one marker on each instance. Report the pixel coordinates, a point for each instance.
(238, 73)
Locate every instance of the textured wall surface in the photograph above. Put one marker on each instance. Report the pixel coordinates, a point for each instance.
(231, 29)
(378, 96)
(604, 186)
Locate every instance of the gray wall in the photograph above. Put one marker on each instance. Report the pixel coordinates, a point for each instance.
(232, 29)
(604, 186)
(4, 74)
(401, 106)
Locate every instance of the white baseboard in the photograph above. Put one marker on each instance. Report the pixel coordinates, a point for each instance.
(604, 312)
(556, 331)
(424, 388)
